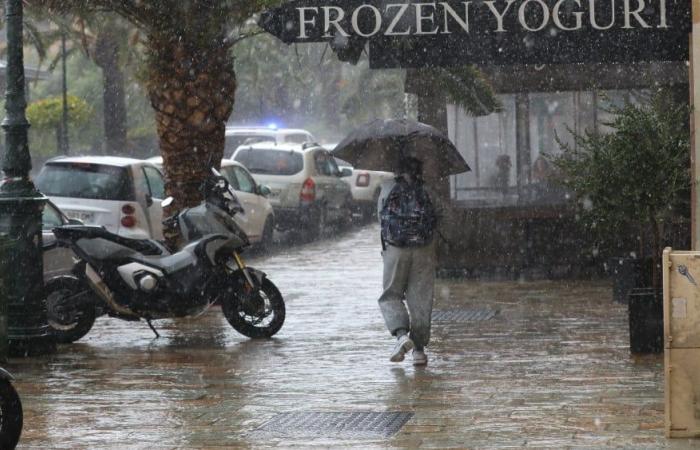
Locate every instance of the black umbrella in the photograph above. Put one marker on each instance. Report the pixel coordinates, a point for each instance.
(382, 144)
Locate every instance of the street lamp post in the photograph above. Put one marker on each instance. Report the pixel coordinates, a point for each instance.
(21, 206)
(64, 91)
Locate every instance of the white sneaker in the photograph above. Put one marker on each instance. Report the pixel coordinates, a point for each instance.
(419, 358)
(403, 345)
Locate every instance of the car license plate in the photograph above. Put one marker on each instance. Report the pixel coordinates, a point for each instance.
(85, 217)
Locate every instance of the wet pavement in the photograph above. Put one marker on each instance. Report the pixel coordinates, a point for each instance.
(550, 369)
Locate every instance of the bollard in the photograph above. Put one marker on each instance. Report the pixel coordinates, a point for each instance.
(5, 251)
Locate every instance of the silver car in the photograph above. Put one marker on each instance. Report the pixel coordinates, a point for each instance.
(57, 261)
(307, 191)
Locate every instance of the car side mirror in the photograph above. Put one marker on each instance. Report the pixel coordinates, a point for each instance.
(264, 190)
(167, 202)
(345, 172)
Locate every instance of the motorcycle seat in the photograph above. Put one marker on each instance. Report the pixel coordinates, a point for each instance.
(75, 232)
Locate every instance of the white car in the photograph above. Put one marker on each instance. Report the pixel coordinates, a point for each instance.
(237, 136)
(121, 194)
(306, 187)
(365, 186)
(258, 218)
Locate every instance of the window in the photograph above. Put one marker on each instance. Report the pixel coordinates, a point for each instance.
(85, 180)
(155, 182)
(229, 174)
(141, 187)
(51, 217)
(507, 151)
(245, 182)
(298, 138)
(270, 161)
(325, 164)
(342, 163)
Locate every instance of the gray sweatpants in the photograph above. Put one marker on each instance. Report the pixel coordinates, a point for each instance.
(409, 273)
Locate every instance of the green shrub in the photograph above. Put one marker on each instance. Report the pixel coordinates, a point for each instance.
(636, 177)
(48, 113)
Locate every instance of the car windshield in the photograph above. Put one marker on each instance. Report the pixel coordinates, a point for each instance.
(270, 162)
(84, 180)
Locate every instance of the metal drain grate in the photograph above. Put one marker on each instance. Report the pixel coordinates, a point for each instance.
(464, 315)
(346, 425)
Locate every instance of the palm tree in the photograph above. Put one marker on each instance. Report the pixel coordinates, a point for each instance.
(189, 77)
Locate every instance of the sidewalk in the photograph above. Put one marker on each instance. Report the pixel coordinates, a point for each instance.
(550, 369)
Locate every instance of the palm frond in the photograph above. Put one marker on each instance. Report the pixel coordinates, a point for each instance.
(33, 36)
(465, 87)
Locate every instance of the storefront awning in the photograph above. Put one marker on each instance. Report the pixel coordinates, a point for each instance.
(496, 32)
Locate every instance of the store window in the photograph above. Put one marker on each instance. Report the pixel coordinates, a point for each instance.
(506, 171)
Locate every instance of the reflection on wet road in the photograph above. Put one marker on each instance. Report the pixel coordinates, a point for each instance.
(552, 369)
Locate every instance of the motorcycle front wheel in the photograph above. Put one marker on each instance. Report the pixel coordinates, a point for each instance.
(10, 415)
(254, 314)
(70, 314)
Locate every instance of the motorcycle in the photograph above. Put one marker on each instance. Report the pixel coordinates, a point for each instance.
(10, 412)
(134, 279)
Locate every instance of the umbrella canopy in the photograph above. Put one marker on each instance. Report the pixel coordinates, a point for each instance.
(383, 144)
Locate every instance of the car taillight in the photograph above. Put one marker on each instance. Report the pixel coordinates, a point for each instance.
(128, 220)
(308, 191)
(362, 180)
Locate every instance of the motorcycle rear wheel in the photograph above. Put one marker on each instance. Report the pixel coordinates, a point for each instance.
(68, 321)
(256, 315)
(11, 416)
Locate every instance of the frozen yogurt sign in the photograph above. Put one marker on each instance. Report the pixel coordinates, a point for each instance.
(418, 33)
(425, 19)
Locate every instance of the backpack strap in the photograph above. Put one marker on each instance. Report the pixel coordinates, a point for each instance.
(384, 202)
(381, 235)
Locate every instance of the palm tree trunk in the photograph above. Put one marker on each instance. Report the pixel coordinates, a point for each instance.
(106, 56)
(192, 90)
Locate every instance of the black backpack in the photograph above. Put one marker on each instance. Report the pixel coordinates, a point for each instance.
(407, 216)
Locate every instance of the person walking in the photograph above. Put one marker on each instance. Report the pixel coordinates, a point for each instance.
(408, 216)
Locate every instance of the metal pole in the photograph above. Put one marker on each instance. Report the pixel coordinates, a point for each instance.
(64, 121)
(522, 140)
(21, 206)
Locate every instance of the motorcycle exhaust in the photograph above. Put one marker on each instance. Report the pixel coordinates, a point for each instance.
(101, 288)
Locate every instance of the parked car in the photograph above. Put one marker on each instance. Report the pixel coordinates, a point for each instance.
(59, 260)
(121, 194)
(237, 136)
(365, 185)
(258, 218)
(306, 187)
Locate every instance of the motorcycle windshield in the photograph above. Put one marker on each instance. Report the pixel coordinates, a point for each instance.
(208, 219)
(234, 198)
